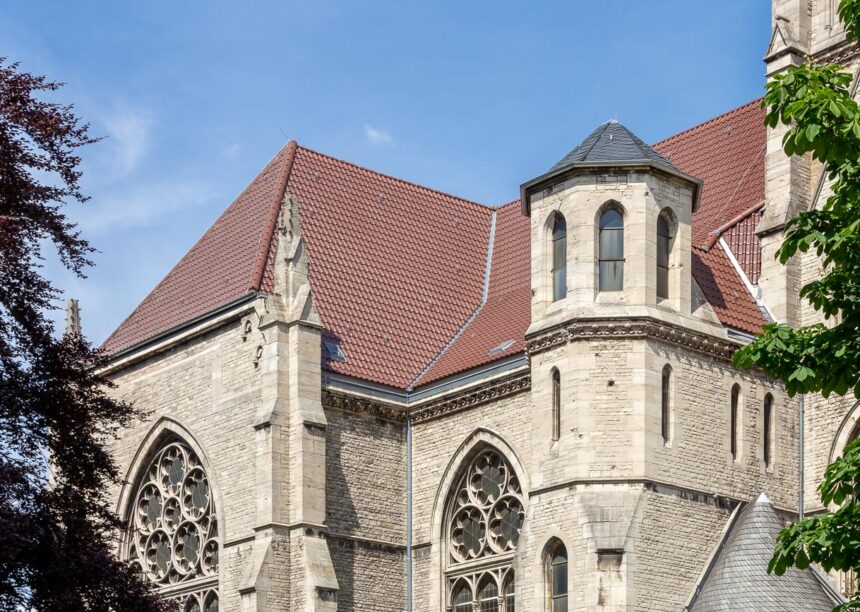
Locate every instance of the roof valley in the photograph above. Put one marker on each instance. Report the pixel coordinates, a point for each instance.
(484, 293)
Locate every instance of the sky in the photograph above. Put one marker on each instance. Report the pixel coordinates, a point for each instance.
(470, 97)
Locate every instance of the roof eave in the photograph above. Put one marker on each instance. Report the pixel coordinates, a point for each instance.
(530, 187)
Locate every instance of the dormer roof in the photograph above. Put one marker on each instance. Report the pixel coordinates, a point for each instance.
(611, 145)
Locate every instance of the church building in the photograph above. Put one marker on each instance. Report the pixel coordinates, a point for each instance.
(365, 394)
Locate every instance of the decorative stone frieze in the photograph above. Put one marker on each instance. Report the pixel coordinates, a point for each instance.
(489, 392)
(631, 329)
(363, 405)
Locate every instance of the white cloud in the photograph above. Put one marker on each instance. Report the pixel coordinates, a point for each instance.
(377, 136)
(128, 138)
(140, 205)
(231, 151)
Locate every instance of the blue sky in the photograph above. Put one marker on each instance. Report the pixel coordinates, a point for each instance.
(470, 97)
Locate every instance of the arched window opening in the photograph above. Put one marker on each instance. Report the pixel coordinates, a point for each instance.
(510, 598)
(485, 517)
(488, 595)
(173, 534)
(666, 404)
(664, 250)
(611, 251)
(557, 578)
(735, 421)
(768, 430)
(461, 599)
(556, 404)
(559, 257)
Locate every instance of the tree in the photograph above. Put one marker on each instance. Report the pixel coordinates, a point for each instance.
(57, 533)
(823, 120)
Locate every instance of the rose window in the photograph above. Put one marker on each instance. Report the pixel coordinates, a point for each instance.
(485, 520)
(173, 535)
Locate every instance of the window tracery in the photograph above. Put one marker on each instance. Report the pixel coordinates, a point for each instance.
(172, 531)
(485, 520)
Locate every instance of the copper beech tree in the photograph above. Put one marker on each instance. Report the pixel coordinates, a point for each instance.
(56, 528)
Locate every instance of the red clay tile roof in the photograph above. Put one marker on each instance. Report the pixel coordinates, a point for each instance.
(744, 243)
(397, 270)
(725, 290)
(222, 267)
(727, 153)
(507, 313)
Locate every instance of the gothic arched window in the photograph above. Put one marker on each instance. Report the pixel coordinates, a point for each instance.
(172, 532)
(557, 578)
(666, 403)
(484, 520)
(611, 251)
(556, 404)
(559, 257)
(664, 250)
(735, 419)
(767, 451)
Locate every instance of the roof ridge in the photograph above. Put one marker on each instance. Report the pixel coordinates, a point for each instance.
(397, 179)
(707, 122)
(196, 244)
(602, 129)
(268, 235)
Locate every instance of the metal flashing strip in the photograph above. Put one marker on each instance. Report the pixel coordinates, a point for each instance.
(750, 287)
(183, 331)
(484, 293)
(470, 378)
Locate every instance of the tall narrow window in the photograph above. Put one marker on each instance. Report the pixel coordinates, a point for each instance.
(557, 578)
(664, 248)
(462, 597)
(556, 404)
(488, 596)
(666, 404)
(768, 430)
(611, 251)
(559, 258)
(510, 600)
(735, 421)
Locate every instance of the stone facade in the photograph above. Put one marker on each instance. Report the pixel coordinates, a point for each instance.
(333, 497)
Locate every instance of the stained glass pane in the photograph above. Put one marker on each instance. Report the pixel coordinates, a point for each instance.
(611, 244)
(559, 604)
(663, 247)
(510, 600)
(462, 598)
(559, 227)
(662, 282)
(488, 597)
(611, 219)
(559, 579)
(611, 275)
(212, 604)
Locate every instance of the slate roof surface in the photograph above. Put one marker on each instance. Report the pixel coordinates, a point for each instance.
(397, 269)
(612, 142)
(739, 582)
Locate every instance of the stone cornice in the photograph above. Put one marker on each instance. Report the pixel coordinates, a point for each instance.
(624, 329)
(841, 54)
(456, 401)
(363, 405)
(488, 392)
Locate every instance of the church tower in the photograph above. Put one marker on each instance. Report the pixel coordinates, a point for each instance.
(610, 232)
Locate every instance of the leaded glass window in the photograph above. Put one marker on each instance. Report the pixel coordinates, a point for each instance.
(768, 430)
(556, 404)
(485, 518)
(172, 531)
(664, 250)
(735, 421)
(611, 251)
(557, 570)
(666, 404)
(559, 257)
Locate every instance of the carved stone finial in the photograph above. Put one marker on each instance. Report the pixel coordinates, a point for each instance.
(73, 319)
